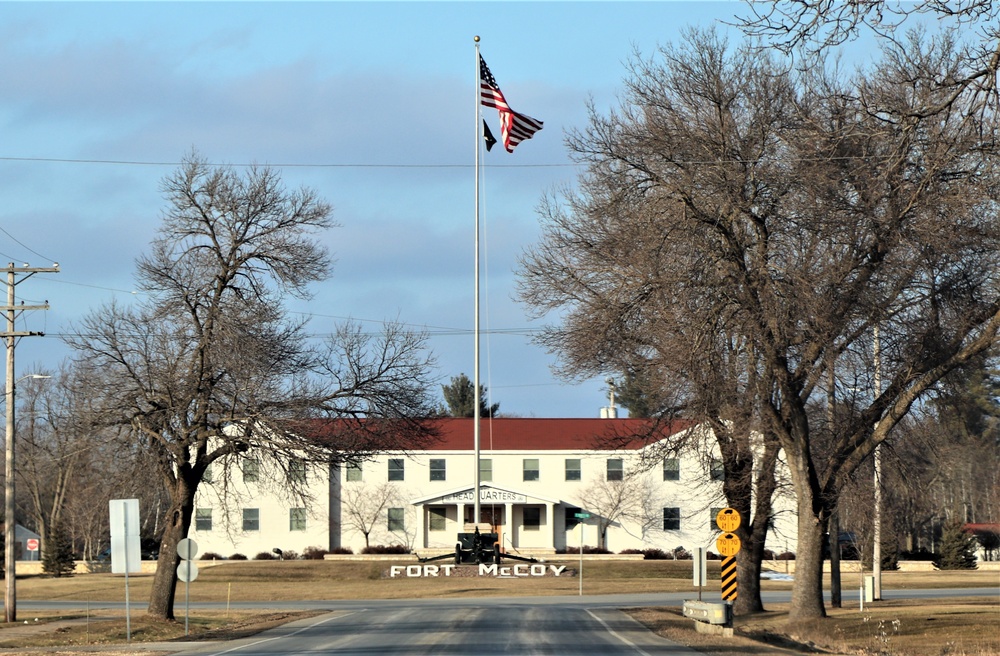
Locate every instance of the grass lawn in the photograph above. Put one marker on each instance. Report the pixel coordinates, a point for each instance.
(960, 626)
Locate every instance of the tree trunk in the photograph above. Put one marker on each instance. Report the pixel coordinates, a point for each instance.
(176, 523)
(807, 592)
(835, 590)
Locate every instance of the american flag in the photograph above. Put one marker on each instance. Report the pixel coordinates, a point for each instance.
(514, 127)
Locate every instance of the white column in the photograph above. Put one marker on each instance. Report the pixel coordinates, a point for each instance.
(421, 526)
(551, 519)
(461, 518)
(508, 525)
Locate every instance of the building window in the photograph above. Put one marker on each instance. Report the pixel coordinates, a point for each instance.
(251, 519)
(296, 519)
(296, 471)
(396, 520)
(671, 469)
(532, 518)
(616, 469)
(531, 469)
(251, 470)
(671, 519)
(712, 524)
(486, 470)
(353, 472)
(438, 519)
(396, 469)
(716, 471)
(206, 476)
(573, 469)
(203, 519)
(571, 518)
(438, 469)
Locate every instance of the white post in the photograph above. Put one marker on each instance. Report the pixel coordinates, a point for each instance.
(475, 366)
(580, 573)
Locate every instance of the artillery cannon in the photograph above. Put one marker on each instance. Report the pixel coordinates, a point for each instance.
(477, 548)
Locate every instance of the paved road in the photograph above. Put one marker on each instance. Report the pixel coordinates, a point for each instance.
(586, 601)
(522, 626)
(518, 629)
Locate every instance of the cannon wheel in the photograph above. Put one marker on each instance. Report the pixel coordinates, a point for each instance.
(458, 553)
(496, 553)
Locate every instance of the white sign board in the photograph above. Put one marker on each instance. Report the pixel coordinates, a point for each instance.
(700, 564)
(486, 494)
(126, 556)
(187, 571)
(187, 549)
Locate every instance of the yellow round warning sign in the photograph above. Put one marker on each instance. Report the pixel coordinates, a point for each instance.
(728, 520)
(728, 544)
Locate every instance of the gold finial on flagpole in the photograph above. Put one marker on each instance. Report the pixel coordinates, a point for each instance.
(476, 38)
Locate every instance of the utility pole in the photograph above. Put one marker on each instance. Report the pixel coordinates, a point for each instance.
(10, 337)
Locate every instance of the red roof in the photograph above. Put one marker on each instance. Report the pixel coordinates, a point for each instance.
(523, 434)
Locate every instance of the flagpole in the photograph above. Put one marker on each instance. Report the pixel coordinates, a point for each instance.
(475, 383)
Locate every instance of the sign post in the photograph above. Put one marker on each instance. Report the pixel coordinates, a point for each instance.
(700, 563)
(581, 516)
(728, 545)
(125, 552)
(187, 571)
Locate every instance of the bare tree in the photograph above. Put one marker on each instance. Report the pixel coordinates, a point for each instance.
(814, 27)
(207, 366)
(631, 499)
(364, 507)
(734, 211)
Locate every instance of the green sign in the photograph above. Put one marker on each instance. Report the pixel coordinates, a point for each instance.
(582, 515)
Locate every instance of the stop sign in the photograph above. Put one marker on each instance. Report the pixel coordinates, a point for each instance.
(32, 544)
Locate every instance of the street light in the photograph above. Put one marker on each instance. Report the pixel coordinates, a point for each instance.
(10, 523)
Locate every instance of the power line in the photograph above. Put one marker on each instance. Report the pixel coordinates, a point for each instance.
(320, 165)
(22, 244)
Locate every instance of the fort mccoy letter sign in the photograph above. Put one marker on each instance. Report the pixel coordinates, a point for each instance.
(484, 569)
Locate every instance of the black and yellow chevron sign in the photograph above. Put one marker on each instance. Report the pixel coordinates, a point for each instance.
(729, 578)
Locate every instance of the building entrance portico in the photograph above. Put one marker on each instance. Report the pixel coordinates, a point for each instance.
(521, 519)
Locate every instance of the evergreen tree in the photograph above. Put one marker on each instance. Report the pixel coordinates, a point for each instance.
(57, 557)
(460, 398)
(958, 548)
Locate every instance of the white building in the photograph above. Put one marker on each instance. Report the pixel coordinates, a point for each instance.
(536, 476)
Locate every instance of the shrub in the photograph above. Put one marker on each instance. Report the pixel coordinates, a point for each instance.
(711, 555)
(211, 555)
(264, 555)
(647, 554)
(786, 555)
(386, 549)
(237, 556)
(768, 554)
(587, 549)
(313, 553)
(344, 551)
(918, 554)
(289, 555)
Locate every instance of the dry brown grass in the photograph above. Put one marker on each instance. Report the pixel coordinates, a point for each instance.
(959, 627)
(930, 628)
(73, 633)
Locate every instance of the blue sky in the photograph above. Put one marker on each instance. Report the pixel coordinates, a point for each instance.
(372, 104)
